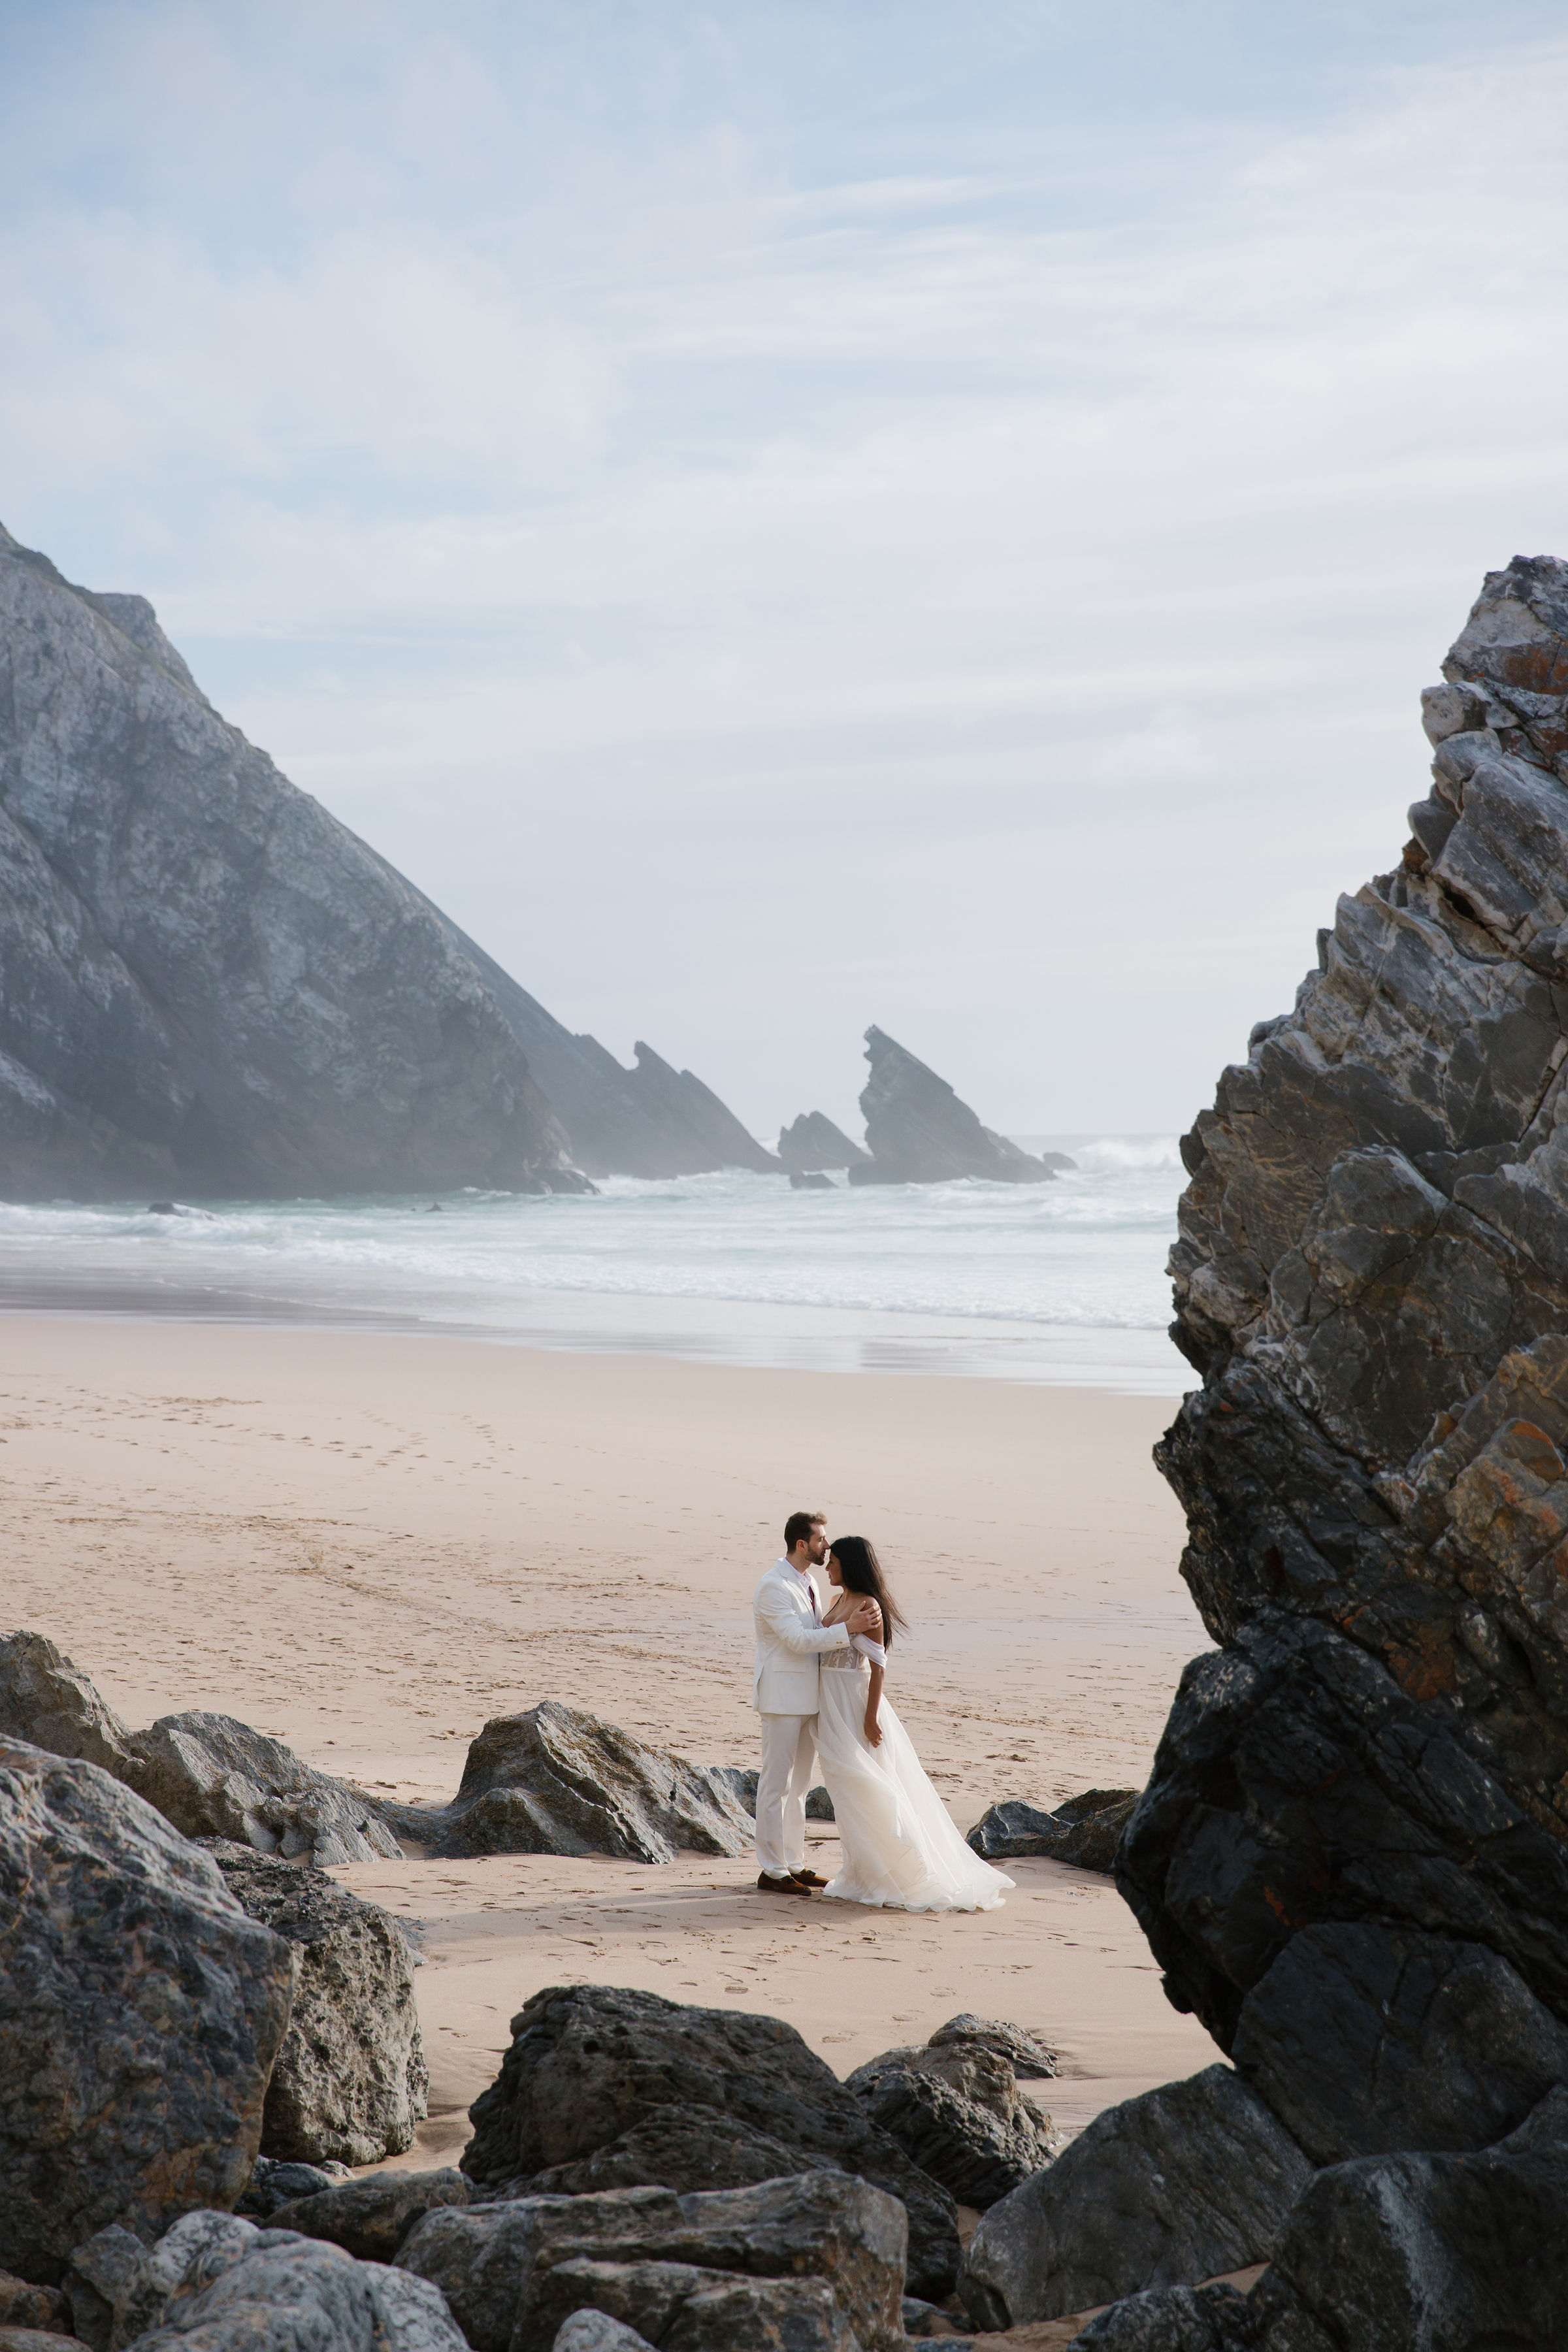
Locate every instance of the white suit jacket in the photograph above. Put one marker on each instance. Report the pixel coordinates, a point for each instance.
(789, 1644)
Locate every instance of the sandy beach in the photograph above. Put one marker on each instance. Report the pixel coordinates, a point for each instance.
(368, 1546)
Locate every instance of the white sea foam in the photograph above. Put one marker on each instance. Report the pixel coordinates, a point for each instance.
(1016, 1280)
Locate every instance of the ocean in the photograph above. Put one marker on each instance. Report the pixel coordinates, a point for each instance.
(1058, 1283)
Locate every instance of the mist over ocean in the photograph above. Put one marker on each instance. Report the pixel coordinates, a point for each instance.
(1061, 1282)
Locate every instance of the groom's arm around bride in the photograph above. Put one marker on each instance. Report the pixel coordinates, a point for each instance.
(791, 1638)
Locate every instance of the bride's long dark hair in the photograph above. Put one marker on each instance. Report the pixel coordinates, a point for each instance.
(862, 1573)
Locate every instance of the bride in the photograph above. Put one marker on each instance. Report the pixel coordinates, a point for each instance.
(900, 1847)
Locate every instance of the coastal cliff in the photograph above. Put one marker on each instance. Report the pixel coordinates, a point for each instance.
(1372, 1278)
(210, 986)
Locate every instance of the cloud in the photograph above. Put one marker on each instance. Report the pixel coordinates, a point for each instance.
(763, 583)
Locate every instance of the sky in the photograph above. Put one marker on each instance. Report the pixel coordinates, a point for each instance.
(785, 516)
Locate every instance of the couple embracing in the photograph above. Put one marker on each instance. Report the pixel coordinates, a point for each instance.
(819, 1691)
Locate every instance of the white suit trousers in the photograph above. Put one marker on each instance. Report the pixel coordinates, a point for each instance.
(789, 1767)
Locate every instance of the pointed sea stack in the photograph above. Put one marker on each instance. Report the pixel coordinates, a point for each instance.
(919, 1133)
(813, 1143)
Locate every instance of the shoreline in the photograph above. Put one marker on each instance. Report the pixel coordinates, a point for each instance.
(368, 1547)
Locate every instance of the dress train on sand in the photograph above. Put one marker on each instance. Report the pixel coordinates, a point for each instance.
(900, 1851)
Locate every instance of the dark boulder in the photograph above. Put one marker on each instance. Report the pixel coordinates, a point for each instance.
(39, 2307)
(1085, 1830)
(1028, 2056)
(820, 2256)
(370, 2218)
(956, 2111)
(1365, 2039)
(141, 2011)
(588, 2062)
(1298, 1781)
(1180, 2320)
(1168, 2190)
(47, 1702)
(810, 1184)
(274, 2183)
(349, 2082)
(678, 2148)
(917, 1131)
(556, 1781)
(814, 1143)
(1428, 2251)
(214, 1777)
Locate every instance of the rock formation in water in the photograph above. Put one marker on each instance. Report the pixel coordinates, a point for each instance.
(919, 1132)
(1352, 1857)
(210, 986)
(812, 1144)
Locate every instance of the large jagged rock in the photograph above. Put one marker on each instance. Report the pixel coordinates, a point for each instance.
(214, 1777)
(955, 2109)
(812, 1143)
(47, 1702)
(1085, 1830)
(350, 2083)
(1365, 2038)
(1166, 2189)
(588, 2062)
(919, 1132)
(556, 1781)
(208, 985)
(819, 2257)
(141, 2011)
(211, 1776)
(1405, 2253)
(1352, 1857)
(1371, 1275)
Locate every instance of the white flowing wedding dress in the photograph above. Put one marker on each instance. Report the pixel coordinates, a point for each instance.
(901, 1850)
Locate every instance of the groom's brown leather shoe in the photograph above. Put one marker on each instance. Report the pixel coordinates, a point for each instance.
(808, 1878)
(767, 1885)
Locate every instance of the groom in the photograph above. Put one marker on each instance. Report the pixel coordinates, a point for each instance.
(790, 1637)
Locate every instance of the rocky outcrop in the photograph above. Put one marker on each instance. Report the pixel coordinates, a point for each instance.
(1085, 1830)
(556, 1781)
(141, 2011)
(1028, 2056)
(588, 2062)
(1403, 2252)
(208, 986)
(349, 2082)
(813, 1143)
(370, 2218)
(209, 1775)
(1163, 2191)
(680, 2147)
(917, 1131)
(214, 1777)
(43, 2308)
(45, 1701)
(1351, 1857)
(955, 2109)
(815, 2263)
(215, 2284)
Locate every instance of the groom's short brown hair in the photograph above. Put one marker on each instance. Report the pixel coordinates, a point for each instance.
(799, 1525)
